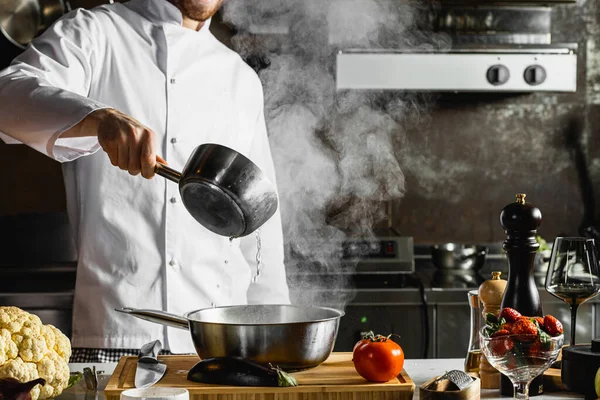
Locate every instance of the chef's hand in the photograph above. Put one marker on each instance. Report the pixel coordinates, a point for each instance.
(129, 145)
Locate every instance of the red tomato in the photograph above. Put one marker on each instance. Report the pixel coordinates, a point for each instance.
(360, 343)
(378, 359)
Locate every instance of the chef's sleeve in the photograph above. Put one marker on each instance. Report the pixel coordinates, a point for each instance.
(271, 286)
(44, 91)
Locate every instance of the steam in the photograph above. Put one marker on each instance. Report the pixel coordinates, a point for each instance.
(336, 153)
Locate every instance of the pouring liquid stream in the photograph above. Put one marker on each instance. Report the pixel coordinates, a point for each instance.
(258, 255)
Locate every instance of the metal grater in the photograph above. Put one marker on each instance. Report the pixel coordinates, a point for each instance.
(459, 378)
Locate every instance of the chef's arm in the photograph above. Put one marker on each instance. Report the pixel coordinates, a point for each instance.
(271, 286)
(45, 104)
(43, 93)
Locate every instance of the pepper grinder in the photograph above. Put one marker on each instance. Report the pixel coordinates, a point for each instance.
(520, 221)
(490, 294)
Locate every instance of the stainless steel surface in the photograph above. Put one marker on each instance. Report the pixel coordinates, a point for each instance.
(397, 311)
(166, 172)
(90, 378)
(494, 24)
(292, 337)
(454, 256)
(383, 255)
(492, 39)
(512, 3)
(160, 317)
(224, 191)
(52, 10)
(458, 377)
(149, 370)
(399, 258)
(20, 20)
(475, 49)
(459, 70)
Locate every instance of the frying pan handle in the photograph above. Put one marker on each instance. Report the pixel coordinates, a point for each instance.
(160, 317)
(167, 172)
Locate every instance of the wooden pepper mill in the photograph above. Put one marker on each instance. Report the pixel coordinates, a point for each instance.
(490, 294)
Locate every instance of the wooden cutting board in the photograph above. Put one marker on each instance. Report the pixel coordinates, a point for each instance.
(335, 379)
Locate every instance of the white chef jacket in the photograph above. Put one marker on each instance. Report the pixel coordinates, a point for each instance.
(138, 246)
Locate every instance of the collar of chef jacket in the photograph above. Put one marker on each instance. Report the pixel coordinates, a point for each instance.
(163, 12)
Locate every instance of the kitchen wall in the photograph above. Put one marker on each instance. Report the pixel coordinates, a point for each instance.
(464, 160)
(472, 154)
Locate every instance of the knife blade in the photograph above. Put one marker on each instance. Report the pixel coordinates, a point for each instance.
(149, 370)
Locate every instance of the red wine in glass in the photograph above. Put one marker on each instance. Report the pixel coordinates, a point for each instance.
(573, 273)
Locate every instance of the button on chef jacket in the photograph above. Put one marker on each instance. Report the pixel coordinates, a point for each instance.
(138, 246)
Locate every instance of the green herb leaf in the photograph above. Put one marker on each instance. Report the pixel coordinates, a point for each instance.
(490, 319)
(74, 379)
(285, 379)
(543, 244)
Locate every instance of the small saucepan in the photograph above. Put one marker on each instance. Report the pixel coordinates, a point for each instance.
(453, 256)
(23, 20)
(294, 338)
(223, 190)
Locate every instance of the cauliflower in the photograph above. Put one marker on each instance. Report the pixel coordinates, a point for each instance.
(30, 350)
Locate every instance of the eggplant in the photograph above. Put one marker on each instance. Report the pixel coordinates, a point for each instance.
(13, 389)
(238, 371)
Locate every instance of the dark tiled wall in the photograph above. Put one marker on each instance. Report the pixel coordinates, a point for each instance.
(463, 162)
(474, 152)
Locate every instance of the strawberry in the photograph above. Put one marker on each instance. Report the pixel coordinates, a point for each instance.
(535, 348)
(501, 332)
(552, 326)
(509, 314)
(499, 346)
(540, 321)
(507, 327)
(525, 327)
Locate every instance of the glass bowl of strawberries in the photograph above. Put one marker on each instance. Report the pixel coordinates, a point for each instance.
(521, 347)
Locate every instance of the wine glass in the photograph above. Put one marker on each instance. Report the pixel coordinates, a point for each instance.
(521, 357)
(573, 273)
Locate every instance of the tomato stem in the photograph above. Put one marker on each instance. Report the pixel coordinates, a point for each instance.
(371, 336)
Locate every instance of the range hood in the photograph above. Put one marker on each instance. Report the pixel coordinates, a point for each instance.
(461, 69)
(507, 2)
(494, 48)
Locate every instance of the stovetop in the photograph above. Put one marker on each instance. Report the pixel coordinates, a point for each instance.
(425, 274)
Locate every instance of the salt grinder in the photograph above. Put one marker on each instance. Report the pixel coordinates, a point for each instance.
(490, 294)
(520, 221)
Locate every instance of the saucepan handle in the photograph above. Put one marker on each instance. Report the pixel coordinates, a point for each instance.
(159, 317)
(167, 172)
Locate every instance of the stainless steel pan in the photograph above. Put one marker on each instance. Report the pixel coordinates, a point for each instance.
(22, 20)
(292, 337)
(458, 257)
(223, 190)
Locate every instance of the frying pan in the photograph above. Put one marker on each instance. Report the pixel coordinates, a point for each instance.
(223, 190)
(453, 256)
(292, 337)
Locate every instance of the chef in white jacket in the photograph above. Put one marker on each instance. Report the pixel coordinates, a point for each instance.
(106, 92)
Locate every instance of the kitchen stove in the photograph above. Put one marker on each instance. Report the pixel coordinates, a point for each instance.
(379, 255)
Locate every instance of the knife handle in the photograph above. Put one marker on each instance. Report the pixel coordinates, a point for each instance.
(149, 352)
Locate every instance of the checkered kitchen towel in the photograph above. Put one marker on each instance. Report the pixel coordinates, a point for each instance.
(80, 355)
